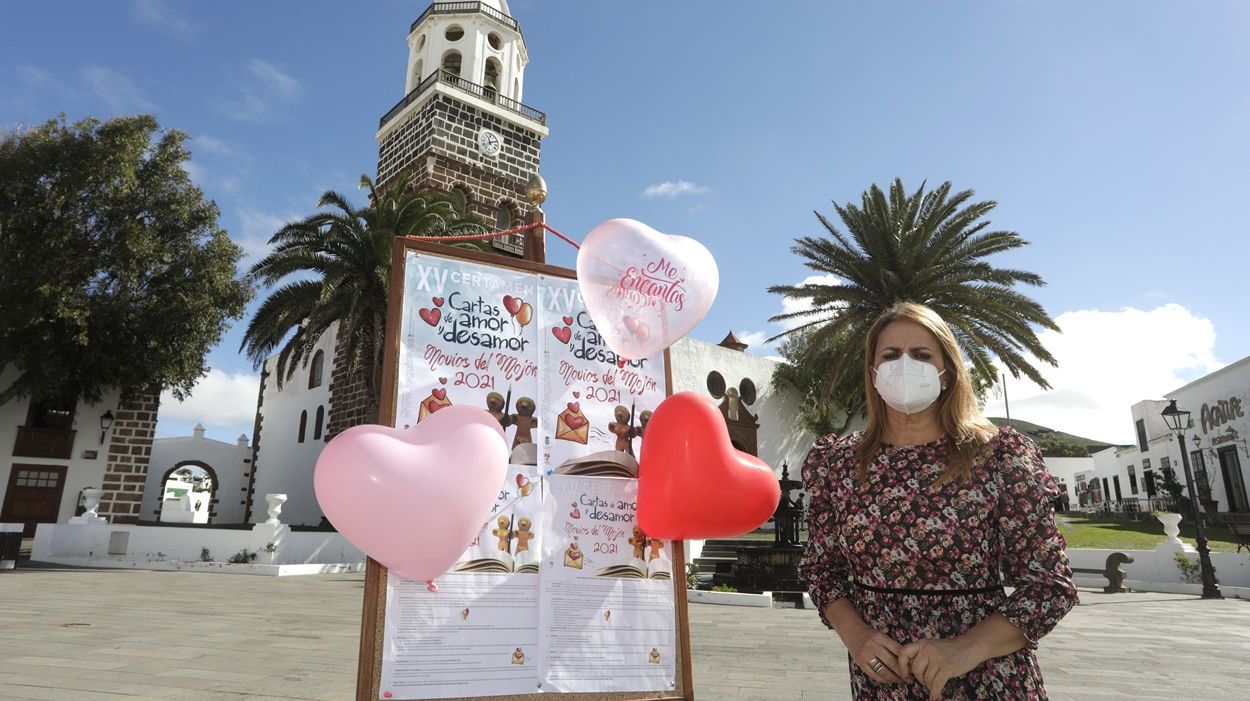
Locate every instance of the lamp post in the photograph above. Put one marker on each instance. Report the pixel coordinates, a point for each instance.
(1178, 421)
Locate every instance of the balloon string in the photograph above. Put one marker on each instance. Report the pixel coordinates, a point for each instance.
(498, 234)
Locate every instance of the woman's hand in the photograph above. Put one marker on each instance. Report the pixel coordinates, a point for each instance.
(935, 662)
(866, 645)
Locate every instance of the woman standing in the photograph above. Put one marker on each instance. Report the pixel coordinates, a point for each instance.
(918, 521)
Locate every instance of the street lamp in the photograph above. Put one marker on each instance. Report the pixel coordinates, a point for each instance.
(106, 422)
(1178, 421)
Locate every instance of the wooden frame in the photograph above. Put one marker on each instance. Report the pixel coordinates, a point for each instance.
(373, 613)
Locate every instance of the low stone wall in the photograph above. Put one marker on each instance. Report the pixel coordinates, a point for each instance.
(127, 545)
(1159, 566)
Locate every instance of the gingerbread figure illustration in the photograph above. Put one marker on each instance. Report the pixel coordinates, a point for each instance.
(639, 541)
(525, 421)
(495, 407)
(523, 535)
(623, 429)
(654, 657)
(643, 418)
(518, 657)
(657, 549)
(503, 533)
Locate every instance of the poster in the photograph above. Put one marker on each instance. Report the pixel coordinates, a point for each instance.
(595, 407)
(606, 608)
(477, 635)
(559, 591)
(469, 335)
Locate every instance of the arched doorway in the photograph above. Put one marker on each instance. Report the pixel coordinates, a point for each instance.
(188, 493)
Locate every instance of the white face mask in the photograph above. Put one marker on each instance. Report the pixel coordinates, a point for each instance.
(908, 385)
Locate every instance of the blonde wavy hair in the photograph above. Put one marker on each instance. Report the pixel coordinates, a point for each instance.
(967, 431)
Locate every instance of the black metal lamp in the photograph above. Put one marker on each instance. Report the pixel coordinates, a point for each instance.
(106, 422)
(1178, 421)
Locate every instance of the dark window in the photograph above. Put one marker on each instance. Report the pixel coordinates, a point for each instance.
(451, 63)
(1106, 491)
(1132, 480)
(303, 425)
(318, 367)
(321, 415)
(1141, 435)
(461, 200)
(1148, 479)
(1200, 474)
(1115, 482)
(51, 414)
(503, 217)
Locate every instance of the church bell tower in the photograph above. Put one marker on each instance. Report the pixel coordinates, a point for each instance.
(461, 128)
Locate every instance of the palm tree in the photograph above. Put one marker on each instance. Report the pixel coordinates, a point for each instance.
(335, 266)
(926, 248)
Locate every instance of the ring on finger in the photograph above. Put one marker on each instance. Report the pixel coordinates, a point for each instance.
(876, 665)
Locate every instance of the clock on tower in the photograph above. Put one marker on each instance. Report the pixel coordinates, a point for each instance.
(461, 128)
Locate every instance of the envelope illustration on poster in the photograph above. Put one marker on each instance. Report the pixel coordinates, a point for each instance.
(572, 425)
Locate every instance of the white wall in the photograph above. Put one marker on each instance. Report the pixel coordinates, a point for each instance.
(157, 543)
(82, 472)
(1065, 471)
(782, 438)
(230, 462)
(284, 465)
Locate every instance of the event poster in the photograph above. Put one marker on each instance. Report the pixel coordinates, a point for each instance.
(477, 635)
(606, 608)
(595, 405)
(560, 591)
(469, 335)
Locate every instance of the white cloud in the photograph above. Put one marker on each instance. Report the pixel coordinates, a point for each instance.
(753, 339)
(219, 398)
(791, 306)
(197, 173)
(1109, 361)
(256, 228)
(262, 94)
(120, 93)
(670, 189)
(757, 340)
(216, 146)
(39, 79)
(163, 15)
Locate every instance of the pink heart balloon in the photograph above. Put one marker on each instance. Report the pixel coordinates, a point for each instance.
(414, 499)
(644, 289)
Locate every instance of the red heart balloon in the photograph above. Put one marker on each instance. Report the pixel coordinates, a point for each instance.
(692, 482)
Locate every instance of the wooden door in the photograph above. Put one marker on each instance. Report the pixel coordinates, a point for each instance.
(33, 496)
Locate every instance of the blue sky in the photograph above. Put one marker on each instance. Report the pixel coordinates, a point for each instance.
(1114, 135)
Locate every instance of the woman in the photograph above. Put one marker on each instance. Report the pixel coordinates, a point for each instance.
(913, 519)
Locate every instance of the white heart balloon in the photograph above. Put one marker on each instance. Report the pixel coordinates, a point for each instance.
(644, 289)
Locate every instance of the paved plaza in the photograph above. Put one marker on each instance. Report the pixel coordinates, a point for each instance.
(90, 635)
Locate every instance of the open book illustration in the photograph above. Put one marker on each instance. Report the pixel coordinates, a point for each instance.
(637, 569)
(513, 551)
(655, 566)
(605, 463)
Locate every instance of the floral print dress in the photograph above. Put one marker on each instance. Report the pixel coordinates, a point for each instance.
(902, 531)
